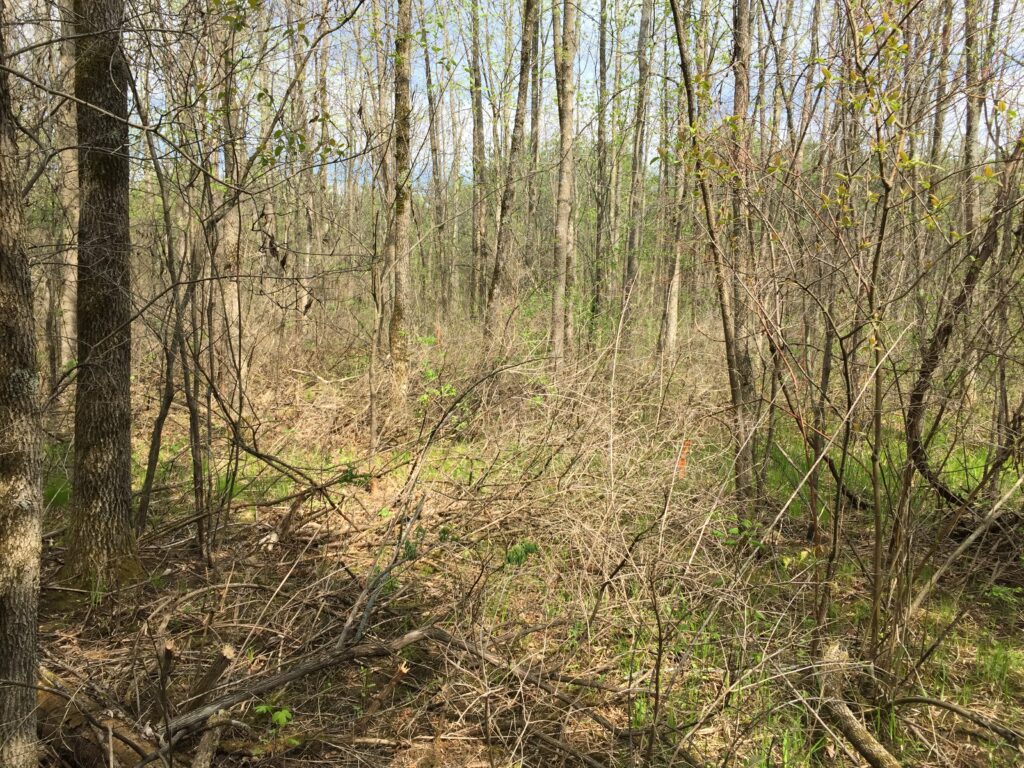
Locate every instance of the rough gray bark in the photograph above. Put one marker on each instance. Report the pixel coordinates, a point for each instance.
(535, 242)
(972, 108)
(398, 330)
(444, 269)
(20, 462)
(66, 263)
(101, 544)
(670, 315)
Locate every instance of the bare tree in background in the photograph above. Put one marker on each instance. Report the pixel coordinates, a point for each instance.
(564, 25)
(398, 333)
(496, 287)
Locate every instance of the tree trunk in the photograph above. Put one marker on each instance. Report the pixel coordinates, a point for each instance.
(670, 315)
(638, 171)
(68, 193)
(398, 329)
(972, 108)
(101, 543)
(722, 281)
(481, 257)
(533, 176)
(444, 269)
(738, 246)
(565, 54)
(20, 461)
(601, 191)
(496, 289)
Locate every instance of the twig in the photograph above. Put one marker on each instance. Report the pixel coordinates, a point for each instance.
(1016, 738)
(189, 722)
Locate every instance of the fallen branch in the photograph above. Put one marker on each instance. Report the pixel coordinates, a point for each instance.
(80, 729)
(1016, 738)
(208, 744)
(193, 721)
(995, 513)
(842, 717)
(441, 636)
(200, 692)
(861, 738)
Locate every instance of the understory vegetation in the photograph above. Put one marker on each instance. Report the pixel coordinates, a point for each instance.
(557, 383)
(602, 602)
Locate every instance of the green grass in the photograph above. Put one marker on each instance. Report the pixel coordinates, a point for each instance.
(56, 481)
(57, 492)
(999, 665)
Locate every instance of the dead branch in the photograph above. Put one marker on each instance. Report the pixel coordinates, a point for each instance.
(1015, 738)
(81, 730)
(841, 716)
(200, 692)
(190, 722)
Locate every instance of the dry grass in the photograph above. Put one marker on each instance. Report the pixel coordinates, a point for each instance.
(602, 605)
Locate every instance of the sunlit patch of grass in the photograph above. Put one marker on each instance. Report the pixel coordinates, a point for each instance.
(999, 665)
(788, 742)
(56, 481)
(57, 492)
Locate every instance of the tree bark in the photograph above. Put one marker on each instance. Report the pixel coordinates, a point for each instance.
(398, 330)
(481, 256)
(638, 171)
(740, 252)
(601, 192)
(66, 263)
(20, 460)
(564, 28)
(722, 281)
(972, 108)
(533, 176)
(670, 315)
(101, 542)
(443, 267)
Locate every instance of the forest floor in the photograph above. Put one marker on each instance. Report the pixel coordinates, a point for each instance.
(596, 596)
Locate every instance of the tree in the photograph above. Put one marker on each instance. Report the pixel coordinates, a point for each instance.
(398, 331)
(723, 284)
(564, 26)
(61, 315)
(101, 542)
(602, 182)
(445, 270)
(20, 460)
(743, 403)
(638, 169)
(508, 197)
(670, 315)
(481, 252)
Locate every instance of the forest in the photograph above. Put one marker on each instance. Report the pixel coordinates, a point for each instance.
(548, 383)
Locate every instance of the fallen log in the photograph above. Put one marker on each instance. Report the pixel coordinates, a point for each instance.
(82, 731)
(840, 715)
(206, 752)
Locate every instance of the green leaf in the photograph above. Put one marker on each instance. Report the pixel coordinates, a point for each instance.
(281, 717)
